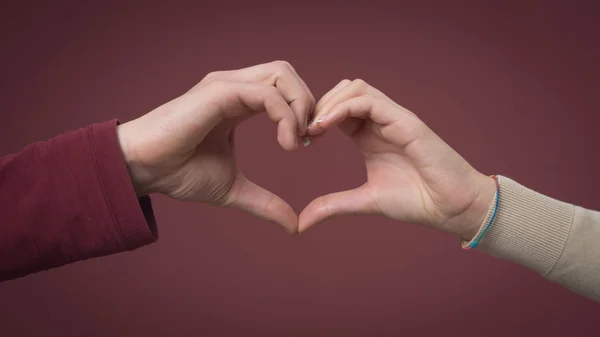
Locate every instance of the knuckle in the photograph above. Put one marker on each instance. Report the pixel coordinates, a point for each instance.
(360, 84)
(281, 67)
(345, 82)
(282, 64)
(211, 76)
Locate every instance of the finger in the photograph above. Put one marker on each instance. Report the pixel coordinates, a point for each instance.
(235, 99)
(397, 125)
(308, 116)
(352, 124)
(361, 107)
(251, 198)
(352, 202)
(349, 90)
(308, 139)
(281, 75)
(279, 112)
(284, 77)
(331, 93)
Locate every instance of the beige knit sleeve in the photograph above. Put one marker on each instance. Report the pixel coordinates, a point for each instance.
(556, 239)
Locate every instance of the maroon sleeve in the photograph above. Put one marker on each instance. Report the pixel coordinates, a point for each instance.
(69, 199)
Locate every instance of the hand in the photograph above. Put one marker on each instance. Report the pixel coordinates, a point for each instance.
(412, 174)
(185, 148)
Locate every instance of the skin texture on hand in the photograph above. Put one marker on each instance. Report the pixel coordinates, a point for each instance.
(412, 174)
(185, 148)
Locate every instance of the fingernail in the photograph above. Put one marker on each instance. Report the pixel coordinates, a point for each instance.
(306, 141)
(322, 119)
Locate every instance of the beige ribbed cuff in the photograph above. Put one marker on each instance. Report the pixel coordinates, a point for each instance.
(530, 229)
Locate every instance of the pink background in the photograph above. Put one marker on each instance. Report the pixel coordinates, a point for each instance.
(513, 88)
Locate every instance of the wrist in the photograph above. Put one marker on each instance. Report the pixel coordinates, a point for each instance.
(470, 221)
(136, 173)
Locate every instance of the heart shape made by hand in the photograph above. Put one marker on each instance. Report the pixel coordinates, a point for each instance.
(185, 149)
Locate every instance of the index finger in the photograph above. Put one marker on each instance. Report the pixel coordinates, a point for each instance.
(262, 98)
(345, 90)
(284, 77)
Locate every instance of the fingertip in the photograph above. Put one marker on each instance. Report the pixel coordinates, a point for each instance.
(314, 129)
(288, 140)
(287, 219)
(293, 231)
(291, 219)
(294, 146)
(287, 226)
(319, 125)
(308, 218)
(304, 225)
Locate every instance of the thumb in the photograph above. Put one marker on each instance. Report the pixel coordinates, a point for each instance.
(352, 202)
(251, 198)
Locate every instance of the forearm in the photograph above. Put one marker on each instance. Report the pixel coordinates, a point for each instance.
(556, 239)
(66, 200)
